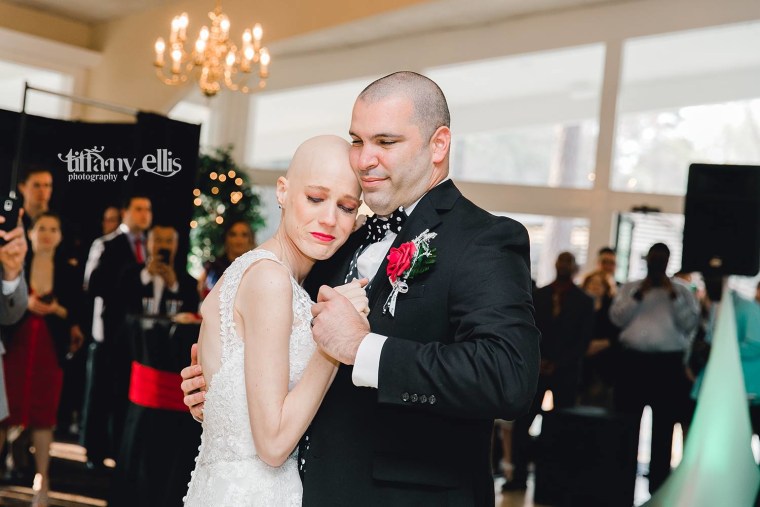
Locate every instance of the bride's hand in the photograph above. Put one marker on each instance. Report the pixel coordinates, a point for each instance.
(355, 293)
(359, 223)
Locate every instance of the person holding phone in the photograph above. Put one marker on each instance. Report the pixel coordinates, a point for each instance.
(40, 342)
(159, 286)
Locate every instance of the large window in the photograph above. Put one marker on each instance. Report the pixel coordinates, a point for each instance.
(280, 121)
(687, 97)
(550, 236)
(12, 78)
(526, 120)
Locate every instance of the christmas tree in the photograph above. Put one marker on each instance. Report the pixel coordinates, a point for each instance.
(222, 194)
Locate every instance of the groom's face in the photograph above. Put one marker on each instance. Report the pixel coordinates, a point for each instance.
(389, 154)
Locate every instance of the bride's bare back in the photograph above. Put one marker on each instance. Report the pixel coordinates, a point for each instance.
(209, 339)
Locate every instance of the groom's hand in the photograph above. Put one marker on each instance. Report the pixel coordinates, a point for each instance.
(337, 327)
(194, 385)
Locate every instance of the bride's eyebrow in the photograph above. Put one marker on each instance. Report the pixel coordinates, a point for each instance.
(318, 187)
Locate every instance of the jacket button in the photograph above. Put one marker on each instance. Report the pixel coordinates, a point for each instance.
(423, 399)
(414, 398)
(432, 399)
(405, 397)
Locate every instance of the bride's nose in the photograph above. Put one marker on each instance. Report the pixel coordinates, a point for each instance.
(328, 216)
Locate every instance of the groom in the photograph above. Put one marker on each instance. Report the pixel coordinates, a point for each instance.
(408, 419)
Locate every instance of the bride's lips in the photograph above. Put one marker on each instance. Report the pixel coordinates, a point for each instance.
(323, 237)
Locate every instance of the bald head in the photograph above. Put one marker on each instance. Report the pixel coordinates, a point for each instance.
(319, 152)
(430, 108)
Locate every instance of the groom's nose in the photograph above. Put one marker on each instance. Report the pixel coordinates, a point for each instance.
(367, 158)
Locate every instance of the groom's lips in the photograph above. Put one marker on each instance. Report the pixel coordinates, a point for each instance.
(371, 182)
(323, 237)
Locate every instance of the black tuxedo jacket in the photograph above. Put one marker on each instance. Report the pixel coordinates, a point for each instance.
(116, 258)
(462, 350)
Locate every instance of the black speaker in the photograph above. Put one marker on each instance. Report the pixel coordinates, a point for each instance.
(586, 457)
(721, 233)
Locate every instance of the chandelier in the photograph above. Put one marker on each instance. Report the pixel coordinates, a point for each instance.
(215, 59)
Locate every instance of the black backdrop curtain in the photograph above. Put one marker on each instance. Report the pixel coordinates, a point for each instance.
(81, 202)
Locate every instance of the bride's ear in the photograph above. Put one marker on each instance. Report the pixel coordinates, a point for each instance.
(282, 190)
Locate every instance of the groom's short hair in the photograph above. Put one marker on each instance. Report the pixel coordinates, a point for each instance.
(430, 108)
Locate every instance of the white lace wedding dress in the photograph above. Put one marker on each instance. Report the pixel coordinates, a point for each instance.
(228, 471)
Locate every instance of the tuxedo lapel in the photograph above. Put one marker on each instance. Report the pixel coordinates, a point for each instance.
(425, 216)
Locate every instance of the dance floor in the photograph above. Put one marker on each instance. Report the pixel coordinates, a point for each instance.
(75, 486)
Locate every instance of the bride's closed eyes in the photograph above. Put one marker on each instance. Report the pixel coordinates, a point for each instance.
(346, 208)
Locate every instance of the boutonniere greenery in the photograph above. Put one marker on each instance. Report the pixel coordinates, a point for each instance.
(405, 262)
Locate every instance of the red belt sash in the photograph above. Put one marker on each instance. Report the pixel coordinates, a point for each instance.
(154, 388)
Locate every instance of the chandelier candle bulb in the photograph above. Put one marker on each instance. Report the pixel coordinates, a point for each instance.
(160, 48)
(263, 68)
(258, 33)
(183, 21)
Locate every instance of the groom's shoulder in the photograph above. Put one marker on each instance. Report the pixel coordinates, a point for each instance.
(469, 216)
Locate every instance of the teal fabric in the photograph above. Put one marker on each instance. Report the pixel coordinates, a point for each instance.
(718, 467)
(748, 332)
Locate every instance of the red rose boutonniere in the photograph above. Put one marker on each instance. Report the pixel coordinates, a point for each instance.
(405, 262)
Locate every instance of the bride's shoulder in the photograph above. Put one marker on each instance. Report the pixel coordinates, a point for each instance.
(267, 275)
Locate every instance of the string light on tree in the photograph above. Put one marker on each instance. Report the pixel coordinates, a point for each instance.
(223, 195)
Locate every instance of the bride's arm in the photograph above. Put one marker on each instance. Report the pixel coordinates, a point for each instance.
(278, 417)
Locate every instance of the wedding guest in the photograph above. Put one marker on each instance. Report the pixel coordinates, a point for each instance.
(100, 433)
(238, 239)
(657, 316)
(160, 281)
(40, 342)
(564, 315)
(600, 361)
(13, 297)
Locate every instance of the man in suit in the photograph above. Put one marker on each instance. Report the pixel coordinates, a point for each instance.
(565, 317)
(409, 416)
(158, 281)
(13, 297)
(105, 383)
(13, 302)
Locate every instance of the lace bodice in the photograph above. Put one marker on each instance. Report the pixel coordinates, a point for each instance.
(227, 437)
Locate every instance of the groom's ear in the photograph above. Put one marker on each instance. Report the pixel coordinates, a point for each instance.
(440, 143)
(282, 189)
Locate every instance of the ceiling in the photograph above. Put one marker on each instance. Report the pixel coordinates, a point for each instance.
(91, 11)
(430, 14)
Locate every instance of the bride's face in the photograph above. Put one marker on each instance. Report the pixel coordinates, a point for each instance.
(319, 205)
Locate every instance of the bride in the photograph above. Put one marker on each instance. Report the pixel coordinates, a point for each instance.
(255, 344)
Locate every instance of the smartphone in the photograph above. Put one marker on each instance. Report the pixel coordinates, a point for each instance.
(47, 298)
(164, 254)
(9, 210)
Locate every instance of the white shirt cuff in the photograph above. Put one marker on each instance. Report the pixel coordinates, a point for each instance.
(9, 287)
(367, 364)
(145, 277)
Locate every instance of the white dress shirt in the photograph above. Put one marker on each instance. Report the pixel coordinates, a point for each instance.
(158, 285)
(367, 364)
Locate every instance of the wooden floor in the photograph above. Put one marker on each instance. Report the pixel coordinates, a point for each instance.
(75, 486)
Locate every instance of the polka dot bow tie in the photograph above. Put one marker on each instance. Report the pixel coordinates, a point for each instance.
(379, 226)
